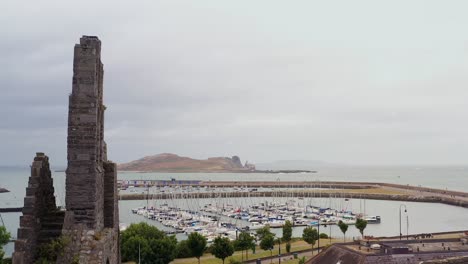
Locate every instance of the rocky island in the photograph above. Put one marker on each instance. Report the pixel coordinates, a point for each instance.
(3, 190)
(168, 162)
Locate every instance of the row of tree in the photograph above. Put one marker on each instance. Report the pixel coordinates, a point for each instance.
(150, 245)
(309, 235)
(145, 243)
(361, 224)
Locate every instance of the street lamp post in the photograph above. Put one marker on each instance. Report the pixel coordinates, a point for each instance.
(318, 246)
(402, 205)
(279, 250)
(407, 227)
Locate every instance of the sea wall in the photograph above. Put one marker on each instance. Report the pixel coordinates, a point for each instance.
(371, 196)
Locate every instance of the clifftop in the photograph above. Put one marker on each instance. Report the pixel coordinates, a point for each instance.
(167, 162)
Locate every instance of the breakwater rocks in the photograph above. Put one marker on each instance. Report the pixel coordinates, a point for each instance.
(356, 190)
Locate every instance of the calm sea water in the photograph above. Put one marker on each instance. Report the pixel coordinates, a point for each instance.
(423, 217)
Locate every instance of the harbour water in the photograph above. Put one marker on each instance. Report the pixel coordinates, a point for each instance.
(423, 217)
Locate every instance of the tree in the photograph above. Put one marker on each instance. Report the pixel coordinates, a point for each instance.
(4, 238)
(361, 224)
(310, 235)
(197, 244)
(183, 250)
(244, 242)
(166, 249)
(253, 247)
(144, 230)
(287, 234)
(268, 243)
(278, 240)
(287, 231)
(149, 243)
(343, 227)
(288, 247)
(264, 231)
(222, 248)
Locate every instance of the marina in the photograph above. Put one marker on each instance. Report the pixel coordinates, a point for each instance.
(443, 218)
(225, 218)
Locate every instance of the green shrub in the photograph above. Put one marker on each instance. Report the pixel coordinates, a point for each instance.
(48, 253)
(6, 261)
(4, 238)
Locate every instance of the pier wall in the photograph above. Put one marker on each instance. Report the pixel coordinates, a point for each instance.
(247, 184)
(370, 196)
(289, 184)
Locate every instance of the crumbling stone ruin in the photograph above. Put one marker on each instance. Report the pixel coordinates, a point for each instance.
(41, 221)
(90, 222)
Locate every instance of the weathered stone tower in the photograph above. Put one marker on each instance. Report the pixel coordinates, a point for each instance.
(91, 183)
(90, 224)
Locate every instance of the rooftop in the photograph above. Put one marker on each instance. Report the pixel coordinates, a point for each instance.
(387, 251)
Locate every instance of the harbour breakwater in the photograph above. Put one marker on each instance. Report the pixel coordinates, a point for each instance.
(247, 184)
(350, 190)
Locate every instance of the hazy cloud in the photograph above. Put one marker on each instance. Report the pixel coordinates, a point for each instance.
(367, 82)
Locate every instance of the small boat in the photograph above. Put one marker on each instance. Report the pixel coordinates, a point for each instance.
(135, 210)
(373, 219)
(256, 225)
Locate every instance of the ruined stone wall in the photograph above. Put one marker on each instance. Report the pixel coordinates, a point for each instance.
(89, 246)
(39, 206)
(85, 173)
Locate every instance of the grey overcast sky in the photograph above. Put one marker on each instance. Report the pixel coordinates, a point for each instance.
(355, 82)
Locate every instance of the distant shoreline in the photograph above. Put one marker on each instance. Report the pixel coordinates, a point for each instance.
(223, 171)
(283, 171)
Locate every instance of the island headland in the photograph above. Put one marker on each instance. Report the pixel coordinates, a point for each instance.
(168, 162)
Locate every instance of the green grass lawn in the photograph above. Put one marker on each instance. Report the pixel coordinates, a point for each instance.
(295, 246)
